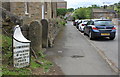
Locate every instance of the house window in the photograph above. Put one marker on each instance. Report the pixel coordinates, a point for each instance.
(26, 8)
(45, 7)
(52, 11)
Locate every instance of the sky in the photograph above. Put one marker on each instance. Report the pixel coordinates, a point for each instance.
(85, 3)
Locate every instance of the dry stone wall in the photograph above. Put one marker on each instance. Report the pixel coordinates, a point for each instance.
(53, 30)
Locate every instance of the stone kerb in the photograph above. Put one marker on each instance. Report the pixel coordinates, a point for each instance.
(35, 35)
(44, 23)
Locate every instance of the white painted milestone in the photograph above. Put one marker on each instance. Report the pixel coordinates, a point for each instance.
(21, 49)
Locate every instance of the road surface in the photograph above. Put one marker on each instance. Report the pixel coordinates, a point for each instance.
(76, 56)
(109, 48)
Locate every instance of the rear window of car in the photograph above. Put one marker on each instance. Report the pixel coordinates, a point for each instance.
(76, 20)
(103, 23)
(84, 21)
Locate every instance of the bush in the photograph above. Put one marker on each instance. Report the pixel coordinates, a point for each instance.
(61, 11)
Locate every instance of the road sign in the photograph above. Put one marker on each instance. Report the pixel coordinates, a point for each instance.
(21, 49)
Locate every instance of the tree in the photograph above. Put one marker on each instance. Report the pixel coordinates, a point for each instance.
(82, 13)
(70, 10)
(95, 6)
(61, 11)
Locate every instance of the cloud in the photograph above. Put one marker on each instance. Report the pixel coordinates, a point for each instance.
(83, 3)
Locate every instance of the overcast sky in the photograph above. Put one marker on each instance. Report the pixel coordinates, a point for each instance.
(84, 3)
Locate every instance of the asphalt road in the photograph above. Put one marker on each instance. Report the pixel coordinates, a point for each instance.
(76, 56)
(109, 48)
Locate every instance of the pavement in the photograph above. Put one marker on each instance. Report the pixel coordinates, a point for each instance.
(76, 56)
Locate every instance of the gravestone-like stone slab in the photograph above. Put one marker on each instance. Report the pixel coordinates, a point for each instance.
(44, 23)
(35, 35)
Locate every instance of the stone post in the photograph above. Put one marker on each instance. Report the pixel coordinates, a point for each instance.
(35, 35)
(44, 23)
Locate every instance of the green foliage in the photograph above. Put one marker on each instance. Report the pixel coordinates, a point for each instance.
(16, 71)
(43, 63)
(70, 10)
(61, 11)
(46, 65)
(95, 6)
(6, 49)
(62, 23)
(6, 43)
(82, 13)
(7, 58)
(41, 54)
(33, 64)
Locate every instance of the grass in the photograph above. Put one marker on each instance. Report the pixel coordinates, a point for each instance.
(7, 68)
(61, 22)
(45, 64)
(16, 71)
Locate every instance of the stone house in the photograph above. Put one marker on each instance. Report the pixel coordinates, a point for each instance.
(103, 13)
(30, 11)
(62, 4)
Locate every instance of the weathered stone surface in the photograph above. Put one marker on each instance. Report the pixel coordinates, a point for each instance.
(52, 31)
(25, 30)
(44, 23)
(35, 35)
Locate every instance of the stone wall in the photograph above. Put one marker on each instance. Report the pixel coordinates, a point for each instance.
(105, 15)
(31, 22)
(33, 13)
(54, 28)
(51, 10)
(49, 29)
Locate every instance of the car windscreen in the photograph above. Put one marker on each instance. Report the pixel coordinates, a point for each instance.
(84, 22)
(103, 23)
(76, 20)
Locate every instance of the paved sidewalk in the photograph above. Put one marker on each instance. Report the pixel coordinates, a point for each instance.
(76, 56)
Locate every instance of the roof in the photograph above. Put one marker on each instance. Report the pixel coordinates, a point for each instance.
(100, 19)
(103, 10)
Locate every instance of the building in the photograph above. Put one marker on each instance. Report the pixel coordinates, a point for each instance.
(103, 13)
(62, 4)
(30, 11)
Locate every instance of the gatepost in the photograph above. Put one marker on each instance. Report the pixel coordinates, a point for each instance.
(44, 23)
(35, 35)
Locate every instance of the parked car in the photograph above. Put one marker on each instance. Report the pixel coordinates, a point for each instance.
(82, 25)
(79, 21)
(100, 28)
(75, 22)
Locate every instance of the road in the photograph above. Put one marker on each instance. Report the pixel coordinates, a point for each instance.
(76, 56)
(109, 48)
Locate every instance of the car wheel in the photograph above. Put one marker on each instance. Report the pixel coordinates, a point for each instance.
(77, 26)
(80, 29)
(91, 36)
(85, 33)
(112, 38)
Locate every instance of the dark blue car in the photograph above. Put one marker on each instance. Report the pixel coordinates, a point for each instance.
(100, 28)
